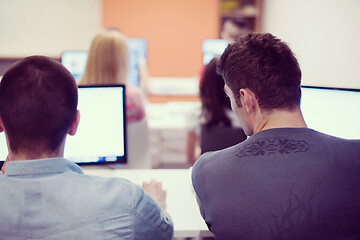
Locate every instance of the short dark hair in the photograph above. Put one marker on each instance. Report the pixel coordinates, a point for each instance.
(213, 98)
(38, 102)
(265, 65)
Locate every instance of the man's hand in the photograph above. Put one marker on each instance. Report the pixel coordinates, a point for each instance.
(154, 189)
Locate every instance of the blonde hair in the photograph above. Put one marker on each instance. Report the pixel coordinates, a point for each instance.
(107, 61)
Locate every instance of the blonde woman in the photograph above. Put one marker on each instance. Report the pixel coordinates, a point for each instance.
(107, 63)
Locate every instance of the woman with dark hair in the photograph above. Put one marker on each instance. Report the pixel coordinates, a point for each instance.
(214, 126)
(214, 100)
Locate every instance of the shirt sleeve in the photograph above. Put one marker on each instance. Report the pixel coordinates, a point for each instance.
(150, 222)
(199, 181)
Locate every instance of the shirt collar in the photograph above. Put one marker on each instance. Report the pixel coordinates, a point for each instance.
(41, 166)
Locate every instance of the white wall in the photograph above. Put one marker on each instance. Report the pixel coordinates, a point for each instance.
(325, 36)
(47, 27)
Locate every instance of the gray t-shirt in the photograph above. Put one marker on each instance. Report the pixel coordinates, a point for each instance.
(285, 183)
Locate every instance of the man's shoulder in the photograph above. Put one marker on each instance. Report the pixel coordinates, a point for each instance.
(299, 135)
(330, 142)
(105, 183)
(211, 161)
(112, 190)
(276, 141)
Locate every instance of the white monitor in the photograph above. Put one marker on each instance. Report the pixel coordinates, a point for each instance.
(101, 135)
(75, 62)
(137, 55)
(212, 48)
(332, 111)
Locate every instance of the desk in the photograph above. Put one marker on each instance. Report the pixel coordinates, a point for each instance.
(180, 201)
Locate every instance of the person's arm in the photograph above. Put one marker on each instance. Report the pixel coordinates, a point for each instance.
(192, 143)
(143, 75)
(150, 218)
(198, 175)
(154, 189)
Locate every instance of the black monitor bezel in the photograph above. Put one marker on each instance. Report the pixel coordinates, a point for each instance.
(121, 159)
(331, 88)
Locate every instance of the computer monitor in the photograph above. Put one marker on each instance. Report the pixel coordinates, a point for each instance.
(101, 135)
(137, 56)
(75, 61)
(333, 111)
(212, 48)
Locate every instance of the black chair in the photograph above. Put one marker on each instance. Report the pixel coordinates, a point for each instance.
(221, 137)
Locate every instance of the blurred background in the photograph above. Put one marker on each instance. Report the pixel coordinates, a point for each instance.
(324, 34)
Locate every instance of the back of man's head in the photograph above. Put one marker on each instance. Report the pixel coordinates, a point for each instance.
(38, 102)
(265, 65)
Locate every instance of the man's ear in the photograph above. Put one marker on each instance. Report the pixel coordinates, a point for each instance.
(75, 124)
(248, 99)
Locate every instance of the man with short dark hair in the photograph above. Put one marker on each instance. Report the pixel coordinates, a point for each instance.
(45, 196)
(285, 181)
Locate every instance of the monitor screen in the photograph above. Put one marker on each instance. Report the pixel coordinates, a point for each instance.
(101, 135)
(75, 61)
(137, 55)
(212, 48)
(332, 111)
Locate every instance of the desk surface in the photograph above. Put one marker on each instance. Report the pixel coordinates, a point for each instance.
(180, 201)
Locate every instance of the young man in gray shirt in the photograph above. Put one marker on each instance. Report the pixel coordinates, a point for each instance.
(285, 181)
